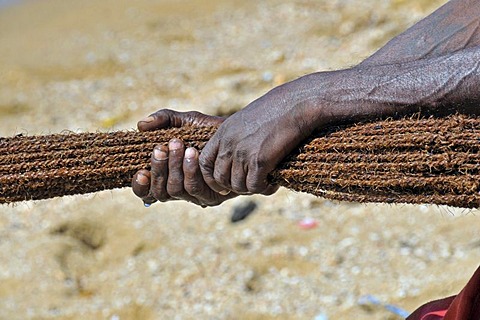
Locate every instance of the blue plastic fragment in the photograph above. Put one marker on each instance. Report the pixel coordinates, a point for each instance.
(396, 310)
(370, 299)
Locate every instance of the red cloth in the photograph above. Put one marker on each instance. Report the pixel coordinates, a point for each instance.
(464, 306)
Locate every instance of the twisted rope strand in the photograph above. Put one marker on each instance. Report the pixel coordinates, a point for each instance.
(434, 160)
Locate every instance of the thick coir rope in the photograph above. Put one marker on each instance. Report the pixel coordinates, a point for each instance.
(431, 160)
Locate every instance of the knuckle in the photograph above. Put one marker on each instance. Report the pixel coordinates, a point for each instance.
(239, 187)
(225, 155)
(255, 187)
(206, 163)
(174, 190)
(165, 111)
(221, 178)
(192, 116)
(241, 155)
(255, 182)
(260, 164)
(162, 113)
(193, 188)
(229, 143)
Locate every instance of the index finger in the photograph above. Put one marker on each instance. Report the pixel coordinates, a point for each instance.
(207, 160)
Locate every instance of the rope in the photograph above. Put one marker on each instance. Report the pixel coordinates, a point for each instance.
(434, 160)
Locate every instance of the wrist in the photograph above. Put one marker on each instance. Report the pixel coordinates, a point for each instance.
(325, 99)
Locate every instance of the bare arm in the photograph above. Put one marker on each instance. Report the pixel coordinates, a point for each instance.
(250, 143)
(440, 85)
(432, 67)
(452, 27)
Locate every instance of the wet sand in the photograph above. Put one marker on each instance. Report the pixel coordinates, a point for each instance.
(102, 65)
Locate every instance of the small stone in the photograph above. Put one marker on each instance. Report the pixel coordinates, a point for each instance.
(241, 212)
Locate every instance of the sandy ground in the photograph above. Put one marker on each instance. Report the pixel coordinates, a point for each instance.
(102, 65)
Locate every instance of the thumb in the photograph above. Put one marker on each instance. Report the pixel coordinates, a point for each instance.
(161, 119)
(166, 118)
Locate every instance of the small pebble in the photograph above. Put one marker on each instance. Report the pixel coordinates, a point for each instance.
(242, 211)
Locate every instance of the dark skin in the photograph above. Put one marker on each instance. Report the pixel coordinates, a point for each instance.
(432, 68)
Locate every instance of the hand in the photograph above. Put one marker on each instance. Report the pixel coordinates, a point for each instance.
(175, 172)
(250, 143)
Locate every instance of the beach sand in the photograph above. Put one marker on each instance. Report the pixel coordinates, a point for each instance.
(103, 65)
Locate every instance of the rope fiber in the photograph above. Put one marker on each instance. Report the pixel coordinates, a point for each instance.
(433, 161)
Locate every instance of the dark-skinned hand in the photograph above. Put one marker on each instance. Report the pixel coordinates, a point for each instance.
(175, 172)
(249, 144)
(238, 158)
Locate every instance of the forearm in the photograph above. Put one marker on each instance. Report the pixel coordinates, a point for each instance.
(440, 85)
(445, 81)
(452, 27)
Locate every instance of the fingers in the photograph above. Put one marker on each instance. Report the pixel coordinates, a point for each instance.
(159, 173)
(239, 174)
(141, 186)
(195, 184)
(175, 166)
(207, 161)
(256, 181)
(224, 172)
(168, 176)
(175, 175)
(141, 183)
(167, 173)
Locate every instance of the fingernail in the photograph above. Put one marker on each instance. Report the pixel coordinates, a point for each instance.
(224, 192)
(147, 119)
(190, 153)
(147, 205)
(174, 144)
(142, 179)
(159, 154)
